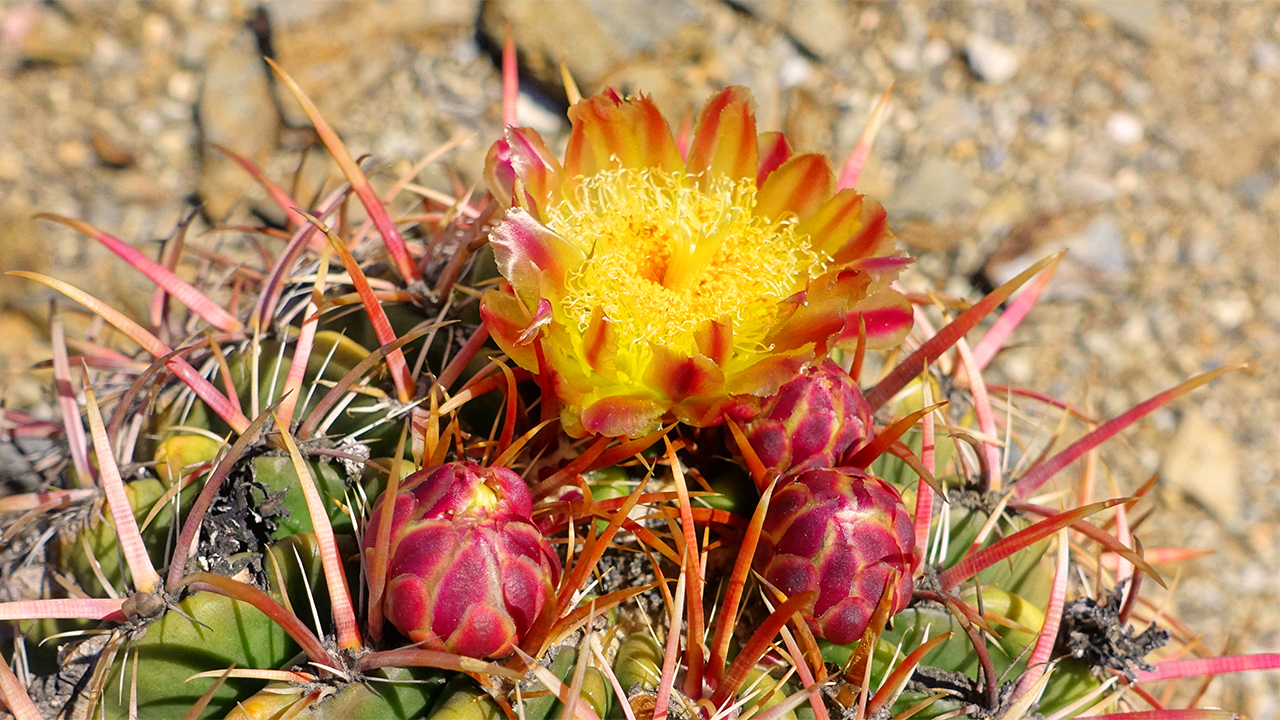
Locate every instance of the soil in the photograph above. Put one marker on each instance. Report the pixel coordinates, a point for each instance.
(1140, 135)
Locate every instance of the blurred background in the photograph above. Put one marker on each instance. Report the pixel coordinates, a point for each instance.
(1143, 136)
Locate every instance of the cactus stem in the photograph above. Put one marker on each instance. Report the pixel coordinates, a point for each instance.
(618, 692)
(245, 593)
(191, 526)
(737, 583)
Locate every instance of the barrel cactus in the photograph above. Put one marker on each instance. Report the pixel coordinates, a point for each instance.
(302, 512)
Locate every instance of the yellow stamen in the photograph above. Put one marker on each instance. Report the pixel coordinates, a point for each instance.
(665, 256)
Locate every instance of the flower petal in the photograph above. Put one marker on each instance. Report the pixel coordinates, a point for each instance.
(540, 318)
(507, 320)
(848, 227)
(887, 315)
(538, 171)
(715, 340)
(679, 377)
(526, 252)
(767, 375)
(610, 133)
(724, 142)
(774, 150)
(820, 317)
(800, 185)
(499, 175)
(619, 416)
(711, 411)
(600, 344)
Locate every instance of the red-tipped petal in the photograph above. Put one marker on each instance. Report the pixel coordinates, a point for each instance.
(887, 317)
(774, 150)
(600, 344)
(526, 251)
(715, 340)
(507, 319)
(800, 186)
(683, 377)
(533, 165)
(724, 142)
(621, 416)
(610, 133)
(849, 226)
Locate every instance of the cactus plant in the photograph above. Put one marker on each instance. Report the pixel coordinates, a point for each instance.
(273, 520)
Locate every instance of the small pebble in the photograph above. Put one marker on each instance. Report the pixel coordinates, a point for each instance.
(989, 60)
(1125, 128)
(935, 53)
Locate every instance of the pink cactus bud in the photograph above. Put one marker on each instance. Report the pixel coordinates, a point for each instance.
(842, 533)
(811, 422)
(469, 572)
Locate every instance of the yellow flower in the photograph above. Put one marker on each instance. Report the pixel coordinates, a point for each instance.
(643, 282)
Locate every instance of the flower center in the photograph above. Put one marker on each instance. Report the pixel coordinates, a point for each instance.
(664, 256)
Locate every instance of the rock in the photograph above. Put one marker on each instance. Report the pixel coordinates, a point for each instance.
(989, 60)
(822, 27)
(1138, 19)
(935, 53)
(1125, 128)
(1203, 463)
(593, 38)
(235, 110)
(109, 152)
(949, 119)
(1266, 56)
(44, 35)
(934, 191)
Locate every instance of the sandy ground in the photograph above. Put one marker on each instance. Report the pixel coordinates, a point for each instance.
(1141, 135)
